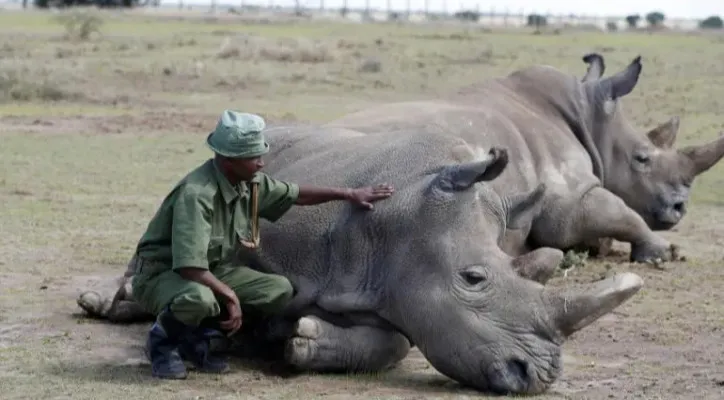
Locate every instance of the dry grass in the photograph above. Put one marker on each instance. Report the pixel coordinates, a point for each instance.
(97, 127)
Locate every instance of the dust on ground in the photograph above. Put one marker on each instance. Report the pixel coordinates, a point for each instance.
(96, 128)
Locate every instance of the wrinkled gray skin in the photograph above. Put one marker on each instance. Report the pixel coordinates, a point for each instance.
(604, 179)
(424, 265)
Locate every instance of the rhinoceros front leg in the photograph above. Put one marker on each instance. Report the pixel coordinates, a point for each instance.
(600, 214)
(318, 345)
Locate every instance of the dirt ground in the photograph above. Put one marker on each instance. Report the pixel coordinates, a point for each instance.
(96, 130)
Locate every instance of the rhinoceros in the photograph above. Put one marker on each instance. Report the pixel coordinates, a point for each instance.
(603, 179)
(423, 268)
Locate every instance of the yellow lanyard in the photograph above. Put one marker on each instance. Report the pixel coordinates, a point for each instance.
(254, 243)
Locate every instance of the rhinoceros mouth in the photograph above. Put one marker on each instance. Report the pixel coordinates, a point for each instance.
(657, 225)
(515, 377)
(520, 376)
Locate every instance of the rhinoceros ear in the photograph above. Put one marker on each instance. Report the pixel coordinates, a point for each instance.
(523, 207)
(622, 83)
(596, 67)
(463, 176)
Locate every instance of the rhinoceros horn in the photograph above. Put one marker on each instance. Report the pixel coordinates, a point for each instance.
(573, 313)
(706, 155)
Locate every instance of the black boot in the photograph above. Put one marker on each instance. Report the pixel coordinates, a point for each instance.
(196, 347)
(162, 347)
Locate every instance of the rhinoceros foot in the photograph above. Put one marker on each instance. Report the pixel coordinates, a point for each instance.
(302, 347)
(318, 345)
(92, 303)
(539, 265)
(656, 253)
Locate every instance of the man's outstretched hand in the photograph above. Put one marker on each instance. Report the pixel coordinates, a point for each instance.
(365, 196)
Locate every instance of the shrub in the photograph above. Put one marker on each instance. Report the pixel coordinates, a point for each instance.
(79, 25)
(256, 48)
(17, 87)
(713, 22)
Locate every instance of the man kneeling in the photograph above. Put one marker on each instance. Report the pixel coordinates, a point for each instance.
(183, 274)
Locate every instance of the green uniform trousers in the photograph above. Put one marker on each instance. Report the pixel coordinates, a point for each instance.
(191, 302)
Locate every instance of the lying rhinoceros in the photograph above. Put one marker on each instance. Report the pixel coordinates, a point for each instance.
(424, 267)
(604, 180)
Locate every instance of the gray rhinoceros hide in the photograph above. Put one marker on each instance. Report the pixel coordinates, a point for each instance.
(603, 179)
(424, 265)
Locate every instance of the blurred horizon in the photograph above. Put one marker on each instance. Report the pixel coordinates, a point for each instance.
(692, 9)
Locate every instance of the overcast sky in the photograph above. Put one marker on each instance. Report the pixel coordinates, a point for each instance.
(672, 8)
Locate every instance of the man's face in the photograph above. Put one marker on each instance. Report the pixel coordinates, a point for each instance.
(243, 169)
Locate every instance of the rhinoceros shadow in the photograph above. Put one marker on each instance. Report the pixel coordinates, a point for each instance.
(126, 363)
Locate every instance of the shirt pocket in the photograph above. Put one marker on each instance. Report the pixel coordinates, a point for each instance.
(215, 251)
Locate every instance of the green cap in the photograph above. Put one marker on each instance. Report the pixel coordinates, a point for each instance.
(238, 135)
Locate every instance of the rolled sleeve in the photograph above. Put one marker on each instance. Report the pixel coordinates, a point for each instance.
(190, 231)
(276, 197)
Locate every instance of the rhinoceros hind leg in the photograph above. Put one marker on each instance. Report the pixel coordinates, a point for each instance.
(121, 308)
(320, 346)
(126, 311)
(93, 303)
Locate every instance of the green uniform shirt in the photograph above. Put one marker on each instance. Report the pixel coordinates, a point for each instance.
(200, 222)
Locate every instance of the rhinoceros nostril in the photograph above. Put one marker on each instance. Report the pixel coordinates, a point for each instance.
(679, 207)
(519, 369)
(508, 377)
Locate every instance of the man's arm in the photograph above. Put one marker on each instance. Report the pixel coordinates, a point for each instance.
(206, 278)
(312, 195)
(365, 196)
(276, 197)
(191, 233)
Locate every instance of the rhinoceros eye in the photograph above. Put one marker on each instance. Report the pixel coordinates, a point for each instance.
(473, 277)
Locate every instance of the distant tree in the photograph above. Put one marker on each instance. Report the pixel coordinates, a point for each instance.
(713, 22)
(467, 15)
(537, 20)
(611, 26)
(394, 16)
(655, 18)
(633, 20)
